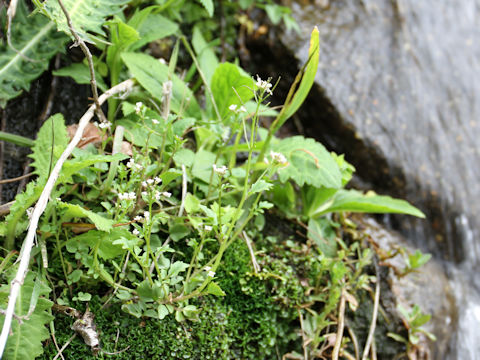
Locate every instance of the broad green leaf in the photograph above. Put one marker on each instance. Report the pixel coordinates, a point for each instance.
(356, 201)
(154, 27)
(417, 259)
(192, 204)
(176, 268)
(26, 339)
(81, 74)
(184, 157)
(35, 38)
(178, 231)
(230, 87)
(202, 167)
(110, 245)
(151, 74)
(49, 142)
(208, 5)
(308, 163)
(76, 211)
(87, 16)
(307, 75)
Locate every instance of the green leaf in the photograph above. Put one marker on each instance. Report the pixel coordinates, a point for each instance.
(176, 268)
(308, 163)
(25, 341)
(418, 259)
(214, 289)
(202, 167)
(356, 201)
(73, 166)
(81, 74)
(87, 16)
(192, 204)
(151, 74)
(208, 5)
(178, 231)
(154, 27)
(35, 38)
(260, 186)
(230, 87)
(109, 245)
(184, 157)
(45, 144)
(76, 211)
(18, 210)
(205, 54)
(322, 233)
(307, 75)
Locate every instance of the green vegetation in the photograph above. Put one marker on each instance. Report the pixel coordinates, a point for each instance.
(168, 228)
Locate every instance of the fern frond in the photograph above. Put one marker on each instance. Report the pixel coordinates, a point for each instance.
(88, 16)
(34, 37)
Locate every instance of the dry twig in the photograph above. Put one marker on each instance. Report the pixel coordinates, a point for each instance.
(371, 332)
(340, 327)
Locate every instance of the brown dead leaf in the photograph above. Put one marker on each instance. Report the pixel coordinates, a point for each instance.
(126, 148)
(91, 135)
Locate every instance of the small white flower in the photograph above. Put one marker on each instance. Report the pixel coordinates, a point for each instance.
(264, 85)
(162, 61)
(29, 212)
(135, 232)
(146, 215)
(58, 199)
(105, 125)
(157, 180)
(157, 195)
(242, 109)
(144, 184)
(138, 107)
(278, 158)
(222, 170)
(167, 194)
(144, 193)
(208, 268)
(233, 108)
(208, 228)
(155, 122)
(132, 196)
(149, 181)
(211, 274)
(138, 218)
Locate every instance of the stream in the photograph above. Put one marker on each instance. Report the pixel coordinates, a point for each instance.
(398, 91)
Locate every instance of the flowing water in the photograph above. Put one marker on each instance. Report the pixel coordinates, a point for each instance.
(403, 77)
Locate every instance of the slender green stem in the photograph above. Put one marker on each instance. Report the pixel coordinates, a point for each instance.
(16, 139)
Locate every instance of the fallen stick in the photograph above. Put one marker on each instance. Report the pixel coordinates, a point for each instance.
(42, 204)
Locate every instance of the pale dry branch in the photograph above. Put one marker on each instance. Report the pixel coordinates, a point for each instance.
(371, 332)
(340, 327)
(40, 208)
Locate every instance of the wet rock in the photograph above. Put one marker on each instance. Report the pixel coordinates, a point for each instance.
(398, 92)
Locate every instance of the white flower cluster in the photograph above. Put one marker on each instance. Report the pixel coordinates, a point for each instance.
(150, 182)
(208, 228)
(222, 170)
(264, 85)
(134, 166)
(155, 122)
(209, 271)
(135, 232)
(241, 109)
(149, 185)
(277, 158)
(138, 107)
(127, 196)
(103, 124)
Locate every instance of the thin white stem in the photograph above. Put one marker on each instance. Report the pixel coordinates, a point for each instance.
(184, 190)
(40, 208)
(340, 327)
(371, 332)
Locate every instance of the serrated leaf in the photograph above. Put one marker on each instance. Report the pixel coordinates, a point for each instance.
(73, 211)
(18, 210)
(308, 163)
(87, 16)
(230, 87)
(25, 341)
(208, 5)
(260, 186)
(356, 201)
(151, 74)
(35, 38)
(48, 142)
